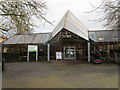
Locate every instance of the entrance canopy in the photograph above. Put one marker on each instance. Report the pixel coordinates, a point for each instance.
(72, 24)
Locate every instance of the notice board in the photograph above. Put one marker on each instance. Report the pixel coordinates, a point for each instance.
(58, 55)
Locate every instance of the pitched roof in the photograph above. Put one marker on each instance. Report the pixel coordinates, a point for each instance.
(68, 22)
(72, 24)
(40, 38)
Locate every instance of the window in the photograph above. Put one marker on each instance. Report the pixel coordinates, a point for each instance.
(101, 38)
(115, 38)
(6, 49)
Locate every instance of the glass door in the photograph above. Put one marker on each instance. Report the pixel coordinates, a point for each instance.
(69, 52)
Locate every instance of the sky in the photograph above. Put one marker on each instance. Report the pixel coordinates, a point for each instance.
(57, 9)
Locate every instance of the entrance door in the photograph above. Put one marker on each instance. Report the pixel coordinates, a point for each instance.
(32, 56)
(69, 52)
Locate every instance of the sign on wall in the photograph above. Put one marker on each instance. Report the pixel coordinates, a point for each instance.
(32, 48)
(58, 55)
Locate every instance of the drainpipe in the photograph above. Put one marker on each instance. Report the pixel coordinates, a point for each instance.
(27, 56)
(88, 51)
(48, 52)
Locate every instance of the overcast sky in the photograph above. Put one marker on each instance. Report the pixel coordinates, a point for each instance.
(57, 9)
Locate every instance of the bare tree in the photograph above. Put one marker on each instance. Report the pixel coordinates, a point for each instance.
(16, 15)
(111, 13)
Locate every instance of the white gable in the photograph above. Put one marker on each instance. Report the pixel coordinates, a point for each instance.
(72, 24)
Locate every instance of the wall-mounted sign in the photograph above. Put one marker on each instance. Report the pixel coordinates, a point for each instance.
(32, 48)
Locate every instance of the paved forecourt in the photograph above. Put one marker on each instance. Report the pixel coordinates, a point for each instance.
(60, 75)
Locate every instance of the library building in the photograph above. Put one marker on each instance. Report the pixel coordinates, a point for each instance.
(70, 40)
